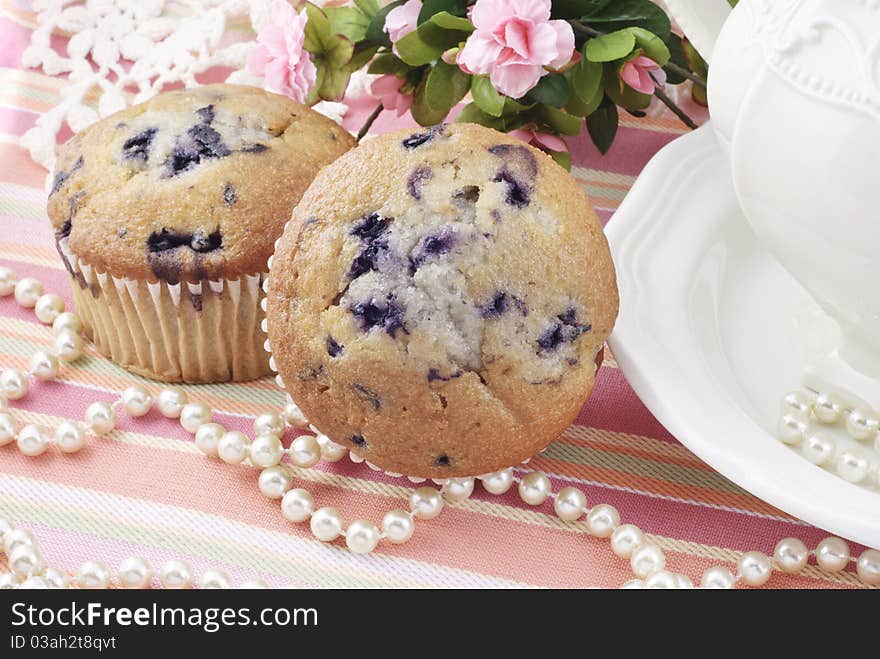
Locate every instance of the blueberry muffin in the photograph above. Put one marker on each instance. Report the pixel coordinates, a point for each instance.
(165, 215)
(443, 312)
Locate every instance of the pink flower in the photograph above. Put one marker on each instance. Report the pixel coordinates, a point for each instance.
(402, 20)
(387, 89)
(514, 40)
(529, 136)
(637, 74)
(280, 57)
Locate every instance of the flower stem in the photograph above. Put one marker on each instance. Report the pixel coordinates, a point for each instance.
(668, 102)
(369, 122)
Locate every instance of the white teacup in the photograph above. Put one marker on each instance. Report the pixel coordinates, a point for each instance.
(794, 95)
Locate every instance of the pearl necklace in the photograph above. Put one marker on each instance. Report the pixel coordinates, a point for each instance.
(267, 453)
(854, 463)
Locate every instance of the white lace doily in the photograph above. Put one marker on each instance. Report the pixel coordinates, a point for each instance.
(128, 50)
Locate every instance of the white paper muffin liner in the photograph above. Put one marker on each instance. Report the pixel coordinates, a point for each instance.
(187, 332)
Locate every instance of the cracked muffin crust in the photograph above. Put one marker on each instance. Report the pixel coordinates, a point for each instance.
(193, 184)
(165, 215)
(440, 300)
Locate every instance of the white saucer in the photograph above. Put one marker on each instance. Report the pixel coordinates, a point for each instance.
(713, 333)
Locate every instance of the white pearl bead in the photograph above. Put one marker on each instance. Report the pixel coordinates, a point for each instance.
(792, 428)
(602, 520)
(633, 584)
(570, 504)
(215, 579)
(18, 538)
(398, 526)
(683, 582)
(297, 505)
(32, 441)
(208, 438)
(646, 559)
(361, 536)
(755, 568)
(135, 572)
(797, 401)
(458, 489)
(625, 538)
(48, 307)
(252, 584)
(100, 417)
(266, 450)
(233, 447)
(67, 321)
(68, 345)
(13, 383)
(717, 577)
(269, 423)
(868, 567)
(7, 281)
(274, 481)
(44, 365)
(34, 583)
(853, 465)
(69, 437)
(170, 402)
(304, 451)
(294, 416)
(175, 574)
(56, 578)
(326, 524)
(425, 503)
(791, 555)
(832, 554)
(192, 415)
(7, 428)
(92, 574)
(662, 580)
(25, 560)
(827, 408)
(27, 292)
(8, 581)
(498, 482)
(330, 450)
(862, 424)
(5, 527)
(534, 488)
(136, 400)
(819, 448)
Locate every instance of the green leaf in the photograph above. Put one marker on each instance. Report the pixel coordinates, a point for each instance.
(445, 86)
(347, 21)
(334, 83)
(450, 22)
(387, 63)
(553, 89)
(512, 107)
(363, 53)
(563, 158)
(369, 7)
(423, 113)
(652, 45)
(433, 7)
(472, 114)
(602, 125)
(376, 30)
(429, 41)
(577, 8)
(694, 61)
(630, 13)
(560, 121)
(622, 94)
(676, 56)
(486, 97)
(610, 47)
(586, 79)
(318, 36)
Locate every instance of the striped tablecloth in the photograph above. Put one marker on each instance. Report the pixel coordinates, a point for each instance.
(146, 490)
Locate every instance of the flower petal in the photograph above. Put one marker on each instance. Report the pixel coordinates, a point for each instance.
(479, 54)
(564, 44)
(515, 80)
